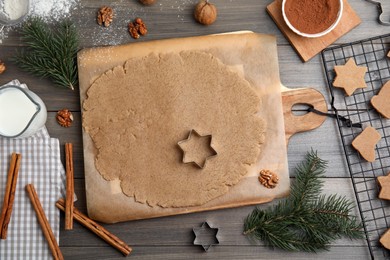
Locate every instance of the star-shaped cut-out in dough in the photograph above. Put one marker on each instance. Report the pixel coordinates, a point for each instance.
(350, 77)
(197, 149)
(384, 183)
(206, 236)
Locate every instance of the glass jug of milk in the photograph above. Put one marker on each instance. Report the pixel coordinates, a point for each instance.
(22, 112)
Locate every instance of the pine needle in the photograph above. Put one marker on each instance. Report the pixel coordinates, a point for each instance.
(306, 220)
(50, 53)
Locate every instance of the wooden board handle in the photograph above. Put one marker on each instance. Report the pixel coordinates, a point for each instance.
(300, 123)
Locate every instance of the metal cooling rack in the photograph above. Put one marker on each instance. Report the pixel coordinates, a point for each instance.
(371, 53)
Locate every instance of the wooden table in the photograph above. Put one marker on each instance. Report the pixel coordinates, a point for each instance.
(172, 237)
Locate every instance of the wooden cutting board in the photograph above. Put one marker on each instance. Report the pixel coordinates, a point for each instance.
(307, 48)
(252, 55)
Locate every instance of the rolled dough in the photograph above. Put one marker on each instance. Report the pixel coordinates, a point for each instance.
(136, 114)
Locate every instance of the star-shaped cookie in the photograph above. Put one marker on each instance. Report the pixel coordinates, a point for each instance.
(350, 77)
(384, 183)
(197, 149)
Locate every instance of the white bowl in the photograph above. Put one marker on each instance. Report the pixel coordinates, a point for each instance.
(314, 35)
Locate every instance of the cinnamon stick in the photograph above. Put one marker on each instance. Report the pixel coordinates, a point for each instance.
(99, 230)
(69, 186)
(9, 196)
(42, 219)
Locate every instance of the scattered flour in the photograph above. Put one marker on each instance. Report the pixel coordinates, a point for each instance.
(51, 9)
(54, 10)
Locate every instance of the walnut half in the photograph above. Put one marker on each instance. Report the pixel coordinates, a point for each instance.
(137, 28)
(268, 179)
(64, 118)
(105, 16)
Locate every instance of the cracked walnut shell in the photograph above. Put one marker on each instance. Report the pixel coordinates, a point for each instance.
(105, 16)
(64, 118)
(268, 179)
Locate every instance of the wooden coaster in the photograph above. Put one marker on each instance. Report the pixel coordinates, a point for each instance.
(307, 48)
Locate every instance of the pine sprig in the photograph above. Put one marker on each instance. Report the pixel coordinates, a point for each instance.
(50, 53)
(306, 220)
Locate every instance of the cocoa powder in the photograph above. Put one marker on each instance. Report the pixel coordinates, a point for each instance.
(312, 16)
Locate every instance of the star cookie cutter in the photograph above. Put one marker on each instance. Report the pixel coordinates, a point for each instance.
(201, 165)
(206, 236)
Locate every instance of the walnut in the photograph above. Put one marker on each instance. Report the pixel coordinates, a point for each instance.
(147, 2)
(137, 28)
(268, 179)
(64, 118)
(105, 16)
(141, 26)
(133, 30)
(205, 12)
(2, 67)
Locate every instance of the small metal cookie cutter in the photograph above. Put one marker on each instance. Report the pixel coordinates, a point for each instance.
(206, 236)
(194, 132)
(380, 11)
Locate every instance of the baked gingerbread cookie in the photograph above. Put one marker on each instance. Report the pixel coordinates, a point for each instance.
(365, 143)
(350, 77)
(381, 101)
(384, 183)
(385, 239)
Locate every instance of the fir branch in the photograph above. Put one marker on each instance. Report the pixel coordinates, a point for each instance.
(50, 53)
(306, 221)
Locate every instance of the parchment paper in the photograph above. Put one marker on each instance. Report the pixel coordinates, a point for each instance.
(255, 57)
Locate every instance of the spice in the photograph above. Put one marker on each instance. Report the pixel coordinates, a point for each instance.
(69, 206)
(9, 195)
(312, 16)
(44, 223)
(100, 231)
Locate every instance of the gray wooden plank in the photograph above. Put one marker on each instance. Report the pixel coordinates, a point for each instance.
(216, 252)
(326, 141)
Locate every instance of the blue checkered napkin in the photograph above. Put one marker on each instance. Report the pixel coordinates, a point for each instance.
(40, 165)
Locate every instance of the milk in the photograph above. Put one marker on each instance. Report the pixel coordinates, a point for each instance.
(16, 111)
